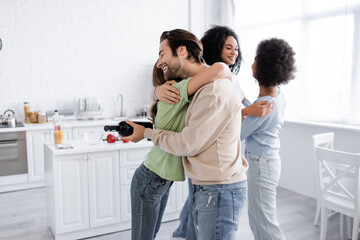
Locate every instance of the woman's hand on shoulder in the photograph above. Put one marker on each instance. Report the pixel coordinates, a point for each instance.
(167, 93)
(258, 109)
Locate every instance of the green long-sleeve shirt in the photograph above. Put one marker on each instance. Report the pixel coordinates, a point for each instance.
(169, 117)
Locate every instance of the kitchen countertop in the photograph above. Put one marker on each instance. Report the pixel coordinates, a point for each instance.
(81, 146)
(65, 124)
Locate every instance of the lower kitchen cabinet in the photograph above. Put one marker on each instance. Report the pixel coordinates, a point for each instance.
(88, 188)
(35, 147)
(35, 151)
(84, 192)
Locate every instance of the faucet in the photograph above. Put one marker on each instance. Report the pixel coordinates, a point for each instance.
(122, 113)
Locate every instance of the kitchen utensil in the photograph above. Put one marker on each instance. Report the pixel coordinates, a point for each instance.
(9, 118)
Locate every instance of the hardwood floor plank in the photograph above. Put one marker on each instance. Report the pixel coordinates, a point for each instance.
(23, 217)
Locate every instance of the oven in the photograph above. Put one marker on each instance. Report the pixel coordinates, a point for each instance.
(13, 156)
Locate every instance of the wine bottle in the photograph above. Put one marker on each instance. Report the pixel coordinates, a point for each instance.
(125, 129)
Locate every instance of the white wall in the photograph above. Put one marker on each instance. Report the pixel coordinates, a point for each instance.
(55, 52)
(204, 13)
(296, 152)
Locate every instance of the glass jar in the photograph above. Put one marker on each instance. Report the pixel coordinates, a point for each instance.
(27, 111)
(42, 117)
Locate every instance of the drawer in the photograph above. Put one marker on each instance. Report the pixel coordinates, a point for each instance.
(126, 174)
(133, 157)
(78, 131)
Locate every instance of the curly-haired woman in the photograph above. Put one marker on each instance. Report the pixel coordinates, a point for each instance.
(274, 65)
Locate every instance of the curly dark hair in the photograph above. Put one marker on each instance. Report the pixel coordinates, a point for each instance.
(180, 37)
(274, 62)
(213, 43)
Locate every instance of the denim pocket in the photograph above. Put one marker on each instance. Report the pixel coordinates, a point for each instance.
(207, 197)
(239, 198)
(157, 182)
(157, 188)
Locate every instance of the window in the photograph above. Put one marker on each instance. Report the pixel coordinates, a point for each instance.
(325, 35)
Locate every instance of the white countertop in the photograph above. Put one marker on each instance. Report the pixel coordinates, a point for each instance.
(65, 124)
(81, 146)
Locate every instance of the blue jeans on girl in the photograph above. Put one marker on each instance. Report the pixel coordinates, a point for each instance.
(149, 196)
(263, 179)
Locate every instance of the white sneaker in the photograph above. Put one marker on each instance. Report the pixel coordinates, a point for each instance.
(176, 238)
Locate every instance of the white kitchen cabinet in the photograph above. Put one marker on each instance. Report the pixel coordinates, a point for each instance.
(88, 188)
(71, 190)
(130, 160)
(86, 191)
(35, 151)
(104, 188)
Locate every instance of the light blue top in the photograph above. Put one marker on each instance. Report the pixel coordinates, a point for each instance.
(261, 134)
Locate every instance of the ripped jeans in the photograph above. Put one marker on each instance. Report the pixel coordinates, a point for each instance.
(216, 209)
(149, 195)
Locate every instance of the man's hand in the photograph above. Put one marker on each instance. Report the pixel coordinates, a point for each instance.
(258, 109)
(167, 93)
(138, 133)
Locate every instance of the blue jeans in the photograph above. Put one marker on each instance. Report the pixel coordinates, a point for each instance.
(149, 195)
(186, 228)
(263, 178)
(216, 209)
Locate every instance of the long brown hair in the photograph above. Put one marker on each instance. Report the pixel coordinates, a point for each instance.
(157, 80)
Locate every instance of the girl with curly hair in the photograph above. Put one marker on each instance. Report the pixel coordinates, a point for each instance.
(274, 65)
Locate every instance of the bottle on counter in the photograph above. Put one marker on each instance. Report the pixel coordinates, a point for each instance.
(58, 132)
(27, 111)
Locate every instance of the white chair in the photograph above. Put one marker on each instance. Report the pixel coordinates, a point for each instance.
(340, 186)
(325, 140)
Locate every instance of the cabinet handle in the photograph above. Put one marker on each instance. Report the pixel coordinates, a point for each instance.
(85, 158)
(8, 144)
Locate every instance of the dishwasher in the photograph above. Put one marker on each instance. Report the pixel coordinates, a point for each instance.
(13, 156)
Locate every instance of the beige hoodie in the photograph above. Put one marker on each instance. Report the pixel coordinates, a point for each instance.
(210, 142)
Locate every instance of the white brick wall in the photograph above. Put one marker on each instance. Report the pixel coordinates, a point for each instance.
(55, 52)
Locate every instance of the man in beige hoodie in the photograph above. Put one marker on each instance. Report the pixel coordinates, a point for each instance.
(209, 143)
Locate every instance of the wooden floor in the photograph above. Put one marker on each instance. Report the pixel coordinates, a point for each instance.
(23, 217)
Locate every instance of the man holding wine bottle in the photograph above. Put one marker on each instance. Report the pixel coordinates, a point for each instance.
(209, 143)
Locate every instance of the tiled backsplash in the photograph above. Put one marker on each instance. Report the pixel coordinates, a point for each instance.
(55, 52)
